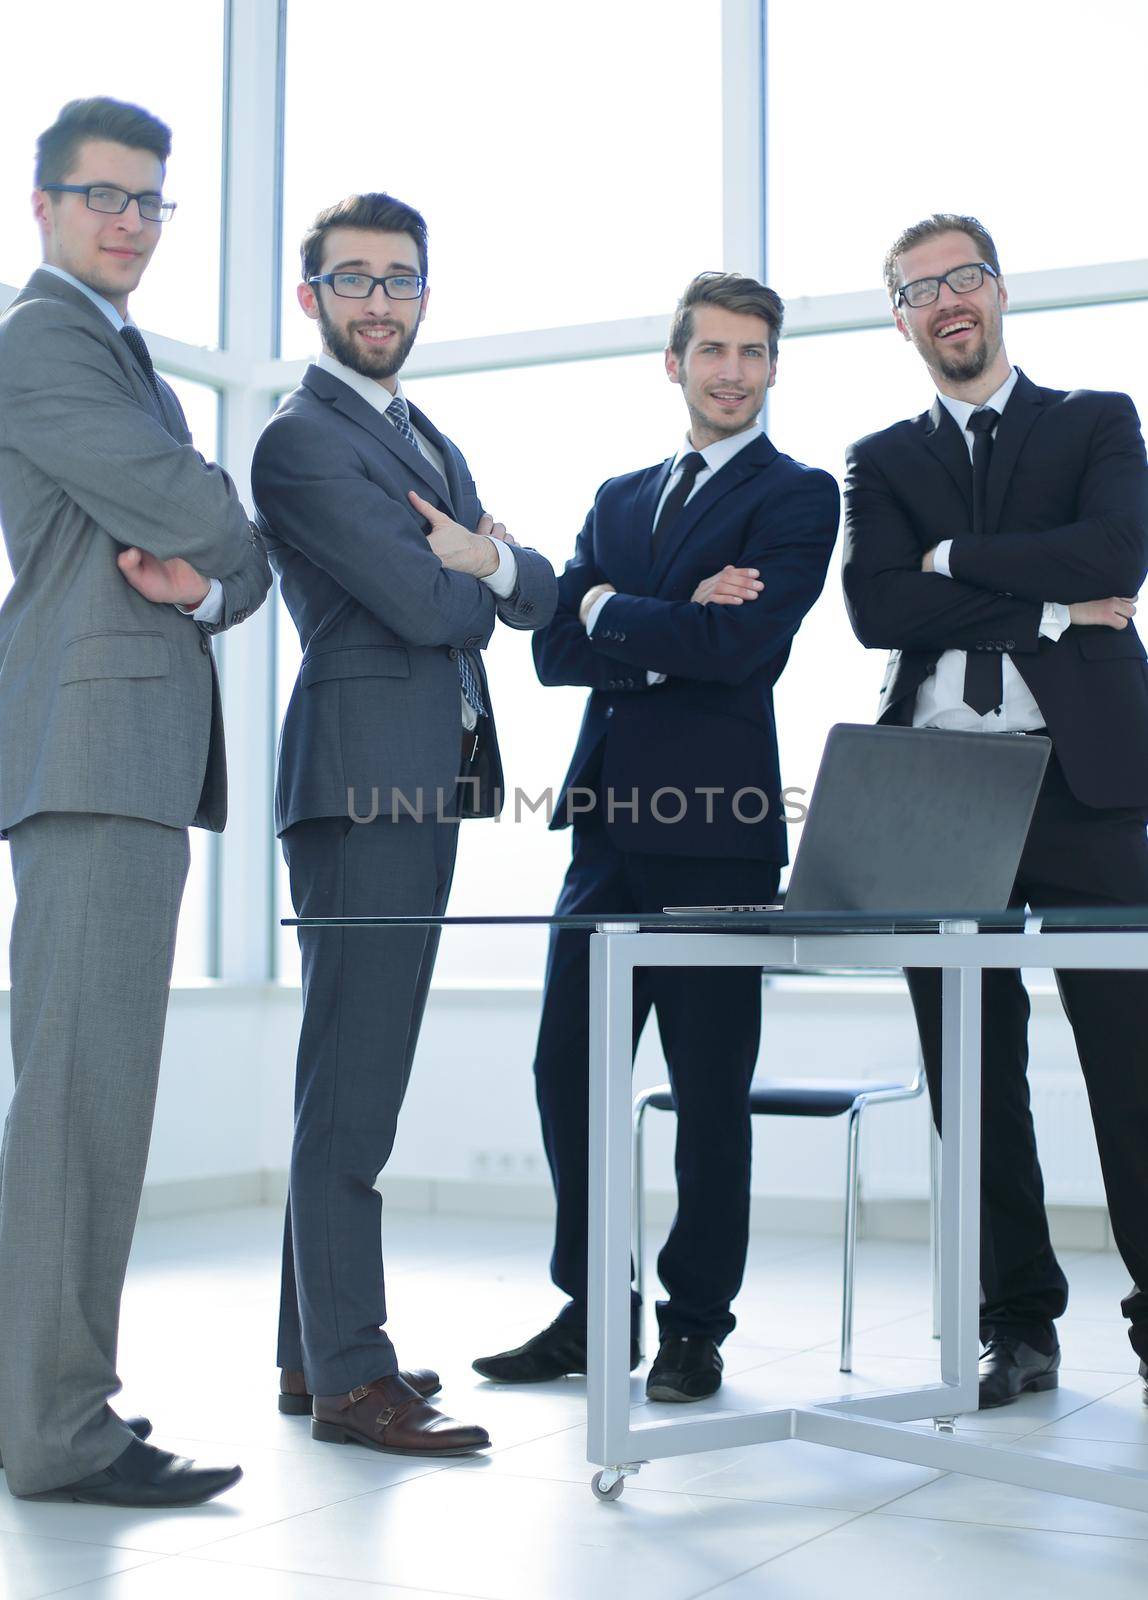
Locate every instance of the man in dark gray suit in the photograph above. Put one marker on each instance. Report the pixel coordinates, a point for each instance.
(388, 740)
(127, 550)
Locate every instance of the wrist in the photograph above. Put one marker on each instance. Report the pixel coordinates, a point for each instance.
(192, 602)
(490, 563)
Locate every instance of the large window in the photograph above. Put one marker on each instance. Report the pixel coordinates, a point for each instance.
(567, 159)
(1031, 118)
(166, 59)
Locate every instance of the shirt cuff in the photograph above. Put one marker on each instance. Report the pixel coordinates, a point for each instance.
(654, 677)
(595, 612)
(941, 558)
(1054, 618)
(505, 577)
(210, 608)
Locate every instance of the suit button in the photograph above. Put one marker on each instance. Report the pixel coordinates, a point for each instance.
(204, 645)
(452, 653)
(621, 638)
(1010, 644)
(629, 683)
(609, 711)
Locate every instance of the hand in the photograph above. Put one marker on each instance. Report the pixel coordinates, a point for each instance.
(927, 560)
(166, 583)
(729, 587)
(457, 548)
(494, 530)
(1114, 613)
(590, 599)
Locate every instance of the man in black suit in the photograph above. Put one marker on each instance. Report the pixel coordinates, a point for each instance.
(993, 544)
(687, 585)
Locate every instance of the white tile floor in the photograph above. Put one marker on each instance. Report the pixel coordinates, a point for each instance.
(320, 1522)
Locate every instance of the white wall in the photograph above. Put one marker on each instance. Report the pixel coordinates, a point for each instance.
(469, 1133)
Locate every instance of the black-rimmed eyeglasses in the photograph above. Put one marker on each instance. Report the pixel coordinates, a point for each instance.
(961, 280)
(106, 197)
(361, 286)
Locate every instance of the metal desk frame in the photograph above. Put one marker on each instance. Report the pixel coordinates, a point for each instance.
(870, 1424)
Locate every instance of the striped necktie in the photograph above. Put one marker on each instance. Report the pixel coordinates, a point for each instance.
(399, 417)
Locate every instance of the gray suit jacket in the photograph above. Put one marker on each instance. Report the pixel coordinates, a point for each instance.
(108, 703)
(376, 704)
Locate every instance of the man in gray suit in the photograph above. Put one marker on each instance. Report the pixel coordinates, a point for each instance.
(394, 576)
(127, 550)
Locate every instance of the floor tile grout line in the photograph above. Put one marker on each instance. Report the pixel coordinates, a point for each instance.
(715, 1589)
(69, 1588)
(1017, 1527)
(326, 1577)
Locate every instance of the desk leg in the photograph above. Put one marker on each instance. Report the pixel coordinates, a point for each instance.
(960, 1182)
(608, 1326)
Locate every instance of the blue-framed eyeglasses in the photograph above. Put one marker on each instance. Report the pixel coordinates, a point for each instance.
(114, 201)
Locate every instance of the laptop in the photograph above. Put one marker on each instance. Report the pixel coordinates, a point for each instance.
(912, 819)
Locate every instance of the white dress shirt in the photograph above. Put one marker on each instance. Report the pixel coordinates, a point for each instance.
(503, 579)
(210, 608)
(941, 698)
(716, 456)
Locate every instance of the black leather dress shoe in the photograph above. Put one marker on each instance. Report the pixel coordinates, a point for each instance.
(145, 1476)
(140, 1426)
(685, 1368)
(557, 1352)
(1010, 1368)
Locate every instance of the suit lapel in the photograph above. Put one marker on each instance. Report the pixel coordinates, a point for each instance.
(1019, 415)
(426, 427)
(753, 458)
(46, 285)
(356, 409)
(943, 441)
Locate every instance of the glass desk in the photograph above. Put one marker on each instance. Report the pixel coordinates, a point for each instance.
(962, 947)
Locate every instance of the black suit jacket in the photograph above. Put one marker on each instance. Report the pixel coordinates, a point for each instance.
(711, 723)
(1066, 520)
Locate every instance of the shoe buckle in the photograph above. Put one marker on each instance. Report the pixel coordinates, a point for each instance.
(385, 1418)
(360, 1393)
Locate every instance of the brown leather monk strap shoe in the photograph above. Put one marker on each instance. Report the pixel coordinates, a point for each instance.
(295, 1398)
(390, 1416)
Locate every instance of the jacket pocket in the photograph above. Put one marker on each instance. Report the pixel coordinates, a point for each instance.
(116, 655)
(377, 661)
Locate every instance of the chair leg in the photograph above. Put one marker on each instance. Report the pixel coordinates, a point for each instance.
(935, 1222)
(638, 1224)
(852, 1187)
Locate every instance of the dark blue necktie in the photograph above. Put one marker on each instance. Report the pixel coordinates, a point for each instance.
(689, 467)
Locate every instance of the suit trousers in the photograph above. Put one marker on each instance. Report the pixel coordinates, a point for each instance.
(364, 993)
(709, 1021)
(93, 941)
(1075, 855)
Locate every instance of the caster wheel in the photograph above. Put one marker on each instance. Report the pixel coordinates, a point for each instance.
(605, 1489)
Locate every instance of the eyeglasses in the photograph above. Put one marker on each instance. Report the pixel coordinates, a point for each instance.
(361, 286)
(106, 197)
(961, 280)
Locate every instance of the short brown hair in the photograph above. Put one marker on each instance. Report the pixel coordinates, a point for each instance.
(97, 118)
(939, 222)
(733, 293)
(379, 211)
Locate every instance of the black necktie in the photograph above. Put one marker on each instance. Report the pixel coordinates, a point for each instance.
(984, 682)
(134, 340)
(689, 467)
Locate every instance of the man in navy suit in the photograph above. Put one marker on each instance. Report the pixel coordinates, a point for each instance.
(678, 609)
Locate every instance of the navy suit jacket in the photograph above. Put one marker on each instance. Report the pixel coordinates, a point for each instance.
(710, 726)
(1066, 519)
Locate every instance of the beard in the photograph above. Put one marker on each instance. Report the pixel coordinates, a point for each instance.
(368, 363)
(959, 366)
